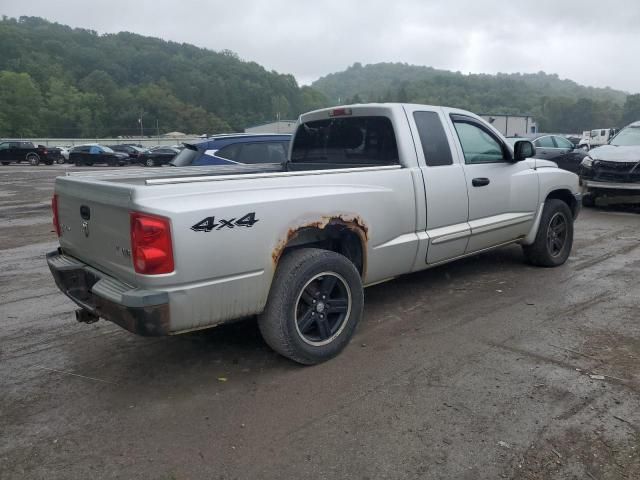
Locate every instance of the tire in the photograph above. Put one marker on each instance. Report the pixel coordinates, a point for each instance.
(149, 162)
(6, 163)
(60, 161)
(553, 243)
(589, 200)
(88, 164)
(33, 159)
(301, 279)
(78, 163)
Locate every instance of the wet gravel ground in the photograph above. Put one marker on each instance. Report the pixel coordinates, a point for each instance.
(483, 369)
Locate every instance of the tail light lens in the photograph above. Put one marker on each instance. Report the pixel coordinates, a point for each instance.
(151, 245)
(54, 209)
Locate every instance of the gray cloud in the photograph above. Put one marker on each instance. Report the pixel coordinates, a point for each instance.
(591, 42)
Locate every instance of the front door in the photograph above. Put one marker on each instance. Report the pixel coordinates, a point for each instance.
(503, 194)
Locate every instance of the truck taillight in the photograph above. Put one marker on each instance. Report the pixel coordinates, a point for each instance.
(54, 209)
(151, 245)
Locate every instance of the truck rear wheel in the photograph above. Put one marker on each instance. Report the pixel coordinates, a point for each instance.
(33, 159)
(554, 239)
(314, 306)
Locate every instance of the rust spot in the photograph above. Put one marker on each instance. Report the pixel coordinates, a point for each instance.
(354, 223)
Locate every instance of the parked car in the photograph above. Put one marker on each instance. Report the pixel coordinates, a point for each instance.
(55, 154)
(94, 153)
(157, 156)
(230, 149)
(556, 148)
(613, 170)
(64, 151)
(131, 150)
(20, 151)
(369, 192)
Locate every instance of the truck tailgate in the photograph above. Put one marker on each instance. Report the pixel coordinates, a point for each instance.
(95, 225)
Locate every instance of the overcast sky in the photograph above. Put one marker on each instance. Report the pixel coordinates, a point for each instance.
(592, 42)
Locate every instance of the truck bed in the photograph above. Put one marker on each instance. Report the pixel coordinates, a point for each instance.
(145, 176)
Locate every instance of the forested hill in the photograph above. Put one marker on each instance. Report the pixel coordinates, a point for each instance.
(559, 105)
(68, 82)
(65, 82)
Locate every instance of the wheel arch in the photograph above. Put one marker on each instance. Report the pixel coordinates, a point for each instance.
(346, 236)
(567, 197)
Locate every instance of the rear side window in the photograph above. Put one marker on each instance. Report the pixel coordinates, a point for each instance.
(435, 145)
(254, 153)
(358, 141)
(229, 152)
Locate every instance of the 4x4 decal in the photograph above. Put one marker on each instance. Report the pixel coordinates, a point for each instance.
(208, 224)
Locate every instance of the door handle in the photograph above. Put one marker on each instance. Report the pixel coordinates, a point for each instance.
(480, 182)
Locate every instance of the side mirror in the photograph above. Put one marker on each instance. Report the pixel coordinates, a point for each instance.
(523, 149)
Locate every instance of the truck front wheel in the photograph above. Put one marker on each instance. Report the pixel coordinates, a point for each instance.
(314, 306)
(554, 239)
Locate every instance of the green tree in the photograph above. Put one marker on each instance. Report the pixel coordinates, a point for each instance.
(20, 105)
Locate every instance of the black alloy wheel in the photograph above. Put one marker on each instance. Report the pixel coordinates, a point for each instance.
(557, 234)
(322, 308)
(554, 238)
(314, 305)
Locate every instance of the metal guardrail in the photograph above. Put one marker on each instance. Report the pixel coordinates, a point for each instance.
(145, 142)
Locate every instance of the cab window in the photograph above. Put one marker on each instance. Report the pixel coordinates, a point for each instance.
(478, 145)
(346, 142)
(435, 145)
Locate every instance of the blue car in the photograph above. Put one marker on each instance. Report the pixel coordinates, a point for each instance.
(234, 149)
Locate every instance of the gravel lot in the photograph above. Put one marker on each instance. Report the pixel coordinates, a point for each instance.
(482, 369)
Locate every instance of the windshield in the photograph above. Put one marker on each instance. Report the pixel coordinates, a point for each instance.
(107, 150)
(186, 156)
(627, 137)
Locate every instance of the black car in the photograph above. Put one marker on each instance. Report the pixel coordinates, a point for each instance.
(131, 150)
(55, 155)
(157, 156)
(557, 149)
(91, 154)
(20, 151)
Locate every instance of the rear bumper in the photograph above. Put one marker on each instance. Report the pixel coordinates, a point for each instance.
(144, 312)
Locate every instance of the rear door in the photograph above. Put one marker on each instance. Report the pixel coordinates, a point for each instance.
(568, 157)
(503, 195)
(444, 179)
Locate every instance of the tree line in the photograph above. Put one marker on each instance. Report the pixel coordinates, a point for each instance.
(60, 81)
(558, 105)
(68, 82)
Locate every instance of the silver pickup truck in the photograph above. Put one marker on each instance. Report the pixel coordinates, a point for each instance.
(368, 192)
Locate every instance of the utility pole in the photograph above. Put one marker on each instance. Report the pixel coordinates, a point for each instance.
(158, 131)
(141, 127)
